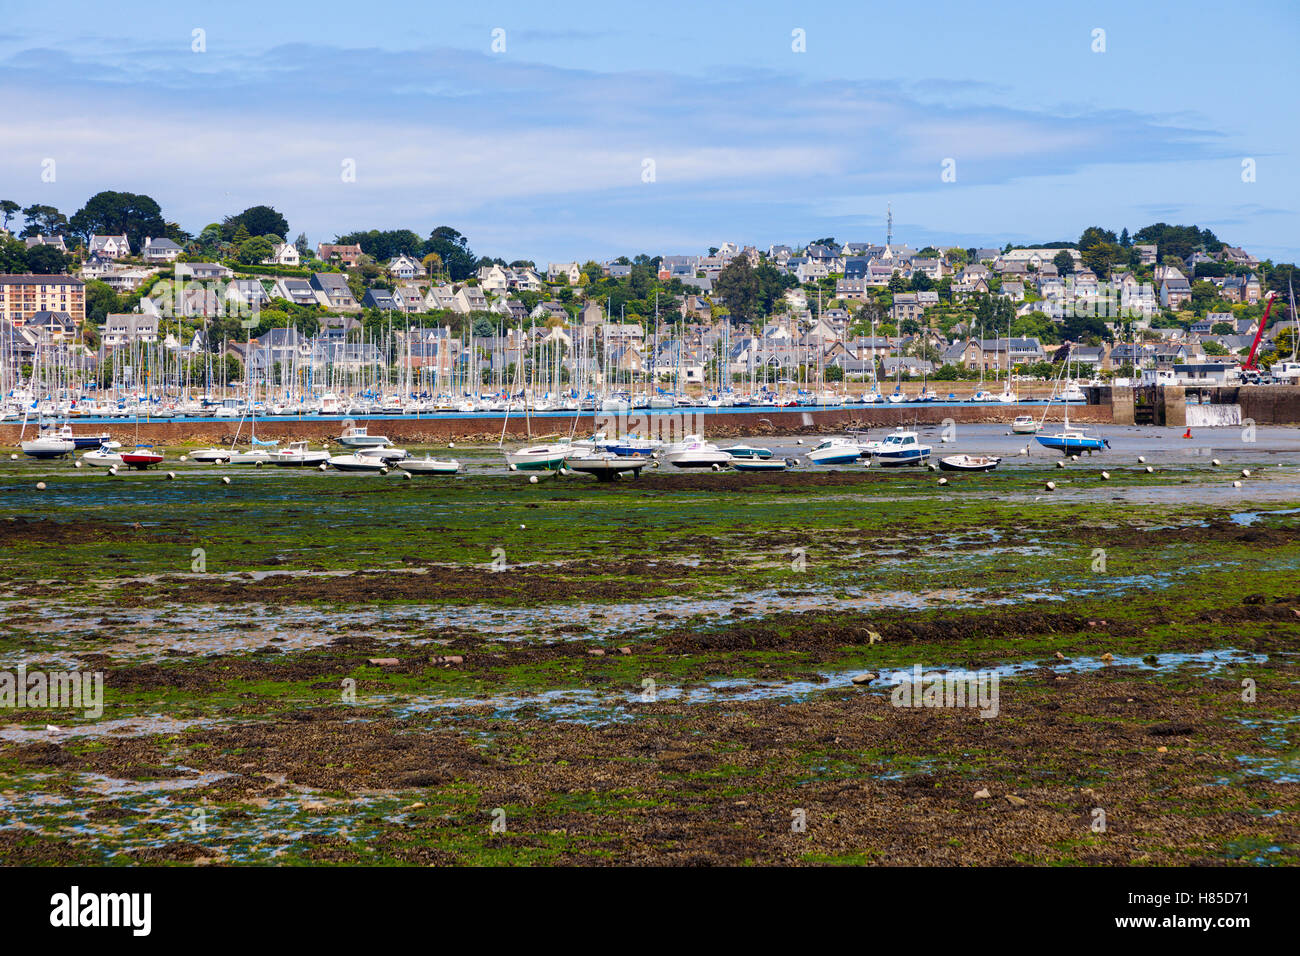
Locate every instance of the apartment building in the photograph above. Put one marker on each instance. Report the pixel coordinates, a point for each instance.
(22, 296)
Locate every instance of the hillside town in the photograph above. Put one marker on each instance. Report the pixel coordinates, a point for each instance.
(242, 298)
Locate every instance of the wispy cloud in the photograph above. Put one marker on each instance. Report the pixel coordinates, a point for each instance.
(523, 152)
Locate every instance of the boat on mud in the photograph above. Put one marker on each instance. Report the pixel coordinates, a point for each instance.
(762, 464)
(1025, 425)
(429, 466)
(901, 448)
(698, 454)
(835, 451)
(748, 451)
(608, 465)
(141, 457)
(298, 455)
(969, 463)
(102, 457)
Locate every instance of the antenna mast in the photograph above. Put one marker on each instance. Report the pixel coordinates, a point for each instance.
(889, 224)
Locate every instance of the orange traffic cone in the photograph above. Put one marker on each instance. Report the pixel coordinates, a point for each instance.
(1188, 433)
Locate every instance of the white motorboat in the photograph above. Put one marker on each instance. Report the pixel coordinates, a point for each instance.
(835, 451)
(254, 455)
(358, 436)
(359, 462)
(429, 466)
(1025, 425)
(608, 465)
(210, 455)
(102, 457)
(901, 448)
(383, 453)
(698, 454)
(298, 455)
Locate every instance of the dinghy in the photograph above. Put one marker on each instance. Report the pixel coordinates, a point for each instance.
(969, 463)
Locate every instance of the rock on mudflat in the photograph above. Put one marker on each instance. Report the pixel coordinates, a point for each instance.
(864, 678)
(982, 794)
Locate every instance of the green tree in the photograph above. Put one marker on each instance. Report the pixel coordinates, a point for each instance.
(43, 220)
(7, 208)
(254, 250)
(458, 259)
(47, 260)
(738, 287)
(1064, 263)
(111, 213)
(256, 221)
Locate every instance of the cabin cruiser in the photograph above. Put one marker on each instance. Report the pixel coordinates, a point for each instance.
(358, 436)
(102, 457)
(1025, 425)
(901, 448)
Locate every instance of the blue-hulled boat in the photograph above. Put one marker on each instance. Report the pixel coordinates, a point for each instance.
(901, 448)
(1070, 441)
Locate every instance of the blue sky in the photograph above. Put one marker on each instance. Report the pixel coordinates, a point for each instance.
(538, 151)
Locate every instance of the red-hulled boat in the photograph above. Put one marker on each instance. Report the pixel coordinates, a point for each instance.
(141, 457)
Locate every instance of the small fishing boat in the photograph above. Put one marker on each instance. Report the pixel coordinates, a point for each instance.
(748, 451)
(698, 454)
(298, 455)
(358, 462)
(763, 464)
(429, 466)
(835, 451)
(1025, 425)
(969, 463)
(607, 465)
(102, 457)
(211, 455)
(901, 448)
(141, 457)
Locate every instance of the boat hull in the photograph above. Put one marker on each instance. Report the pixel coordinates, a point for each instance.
(1071, 446)
(895, 459)
(968, 463)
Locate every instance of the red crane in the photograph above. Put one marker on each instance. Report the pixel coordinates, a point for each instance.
(1259, 334)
